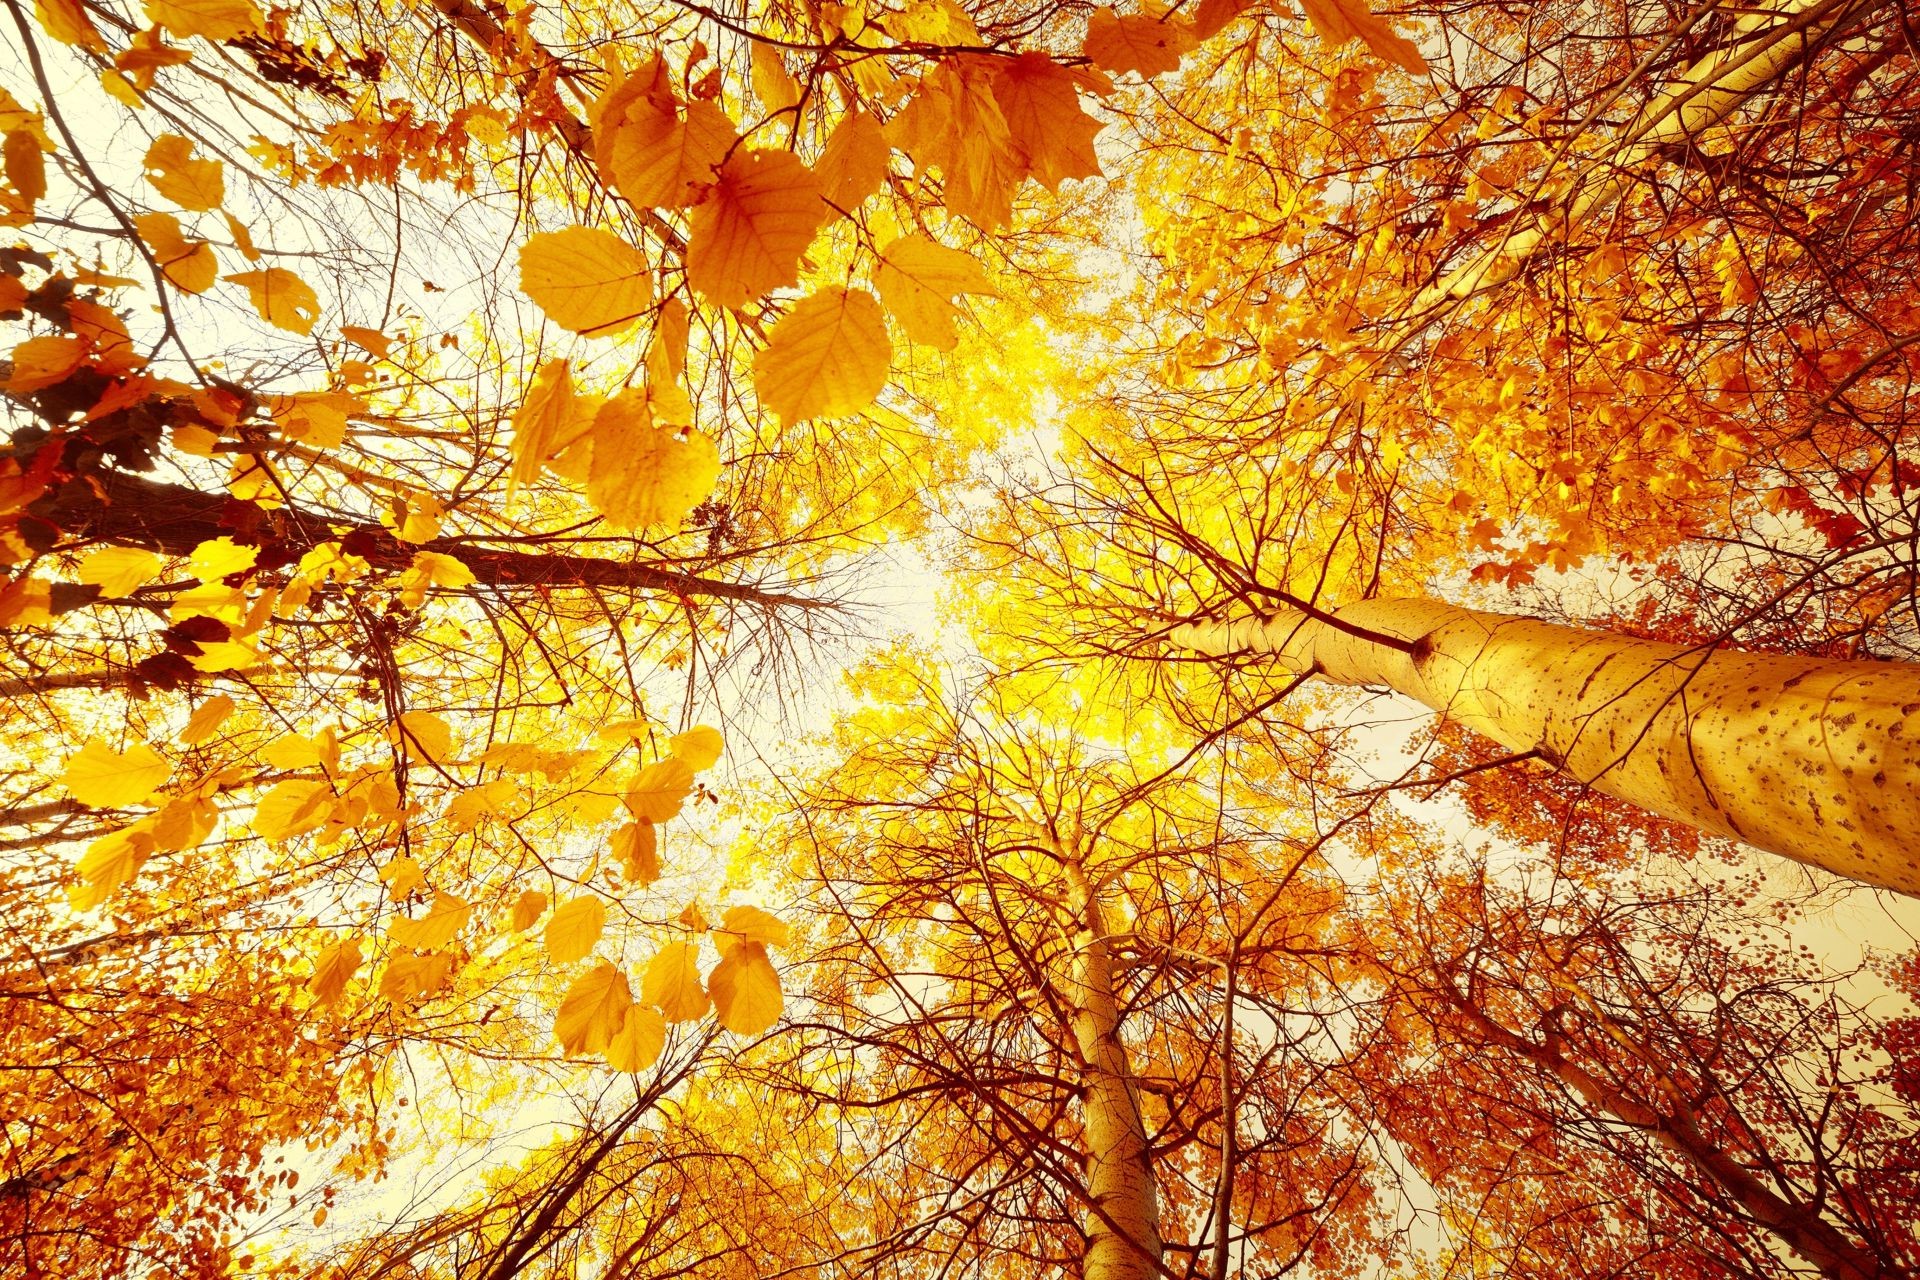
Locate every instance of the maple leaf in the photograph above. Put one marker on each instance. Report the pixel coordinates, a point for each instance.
(746, 238)
(746, 990)
(67, 22)
(1136, 42)
(1339, 21)
(106, 779)
(574, 928)
(587, 280)
(828, 357)
(954, 122)
(195, 185)
(1048, 128)
(919, 278)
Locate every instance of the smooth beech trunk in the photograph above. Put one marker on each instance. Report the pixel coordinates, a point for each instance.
(1812, 758)
(1123, 1235)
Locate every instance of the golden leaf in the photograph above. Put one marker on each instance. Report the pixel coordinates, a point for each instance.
(746, 238)
(660, 789)
(411, 976)
(99, 776)
(282, 298)
(402, 875)
(1339, 21)
(828, 357)
(655, 151)
(437, 929)
(44, 362)
(25, 164)
(854, 164)
(206, 717)
(574, 928)
(637, 846)
(527, 910)
(292, 808)
(744, 925)
(672, 984)
(371, 341)
(1212, 16)
(642, 1034)
(423, 733)
(189, 264)
(773, 84)
(109, 863)
(548, 420)
(194, 185)
(699, 746)
(1050, 131)
(332, 971)
(593, 1011)
(746, 990)
(646, 475)
(216, 558)
(1136, 42)
(214, 19)
(118, 570)
(67, 22)
(919, 278)
(587, 280)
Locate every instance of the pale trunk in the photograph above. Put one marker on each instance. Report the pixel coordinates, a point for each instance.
(1813, 758)
(1123, 1234)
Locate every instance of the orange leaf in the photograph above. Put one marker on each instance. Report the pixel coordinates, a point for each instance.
(215, 19)
(828, 357)
(282, 298)
(919, 279)
(745, 241)
(1339, 21)
(1136, 42)
(854, 164)
(1041, 103)
(586, 280)
(654, 150)
(67, 22)
(194, 185)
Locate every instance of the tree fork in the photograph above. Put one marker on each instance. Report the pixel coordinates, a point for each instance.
(1811, 758)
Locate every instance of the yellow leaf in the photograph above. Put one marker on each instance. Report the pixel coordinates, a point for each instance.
(1339, 21)
(224, 655)
(242, 238)
(216, 558)
(423, 733)
(371, 341)
(586, 280)
(435, 930)
(1049, 130)
(746, 990)
(827, 358)
(282, 298)
(206, 717)
(333, 970)
(527, 909)
(854, 164)
(646, 475)
(693, 917)
(293, 808)
(594, 1010)
(918, 279)
(121, 89)
(109, 863)
(643, 1033)
(44, 361)
(409, 976)
(432, 569)
(655, 151)
(672, 983)
(1136, 42)
(99, 776)
(194, 185)
(699, 746)
(745, 240)
(744, 925)
(291, 751)
(773, 84)
(575, 926)
(67, 22)
(215, 19)
(118, 570)
(660, 789)
(402, 875)
(637, 846)
(545, 424)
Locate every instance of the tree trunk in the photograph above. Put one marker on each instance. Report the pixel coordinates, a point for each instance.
(1123, 1238)
(1812, 758)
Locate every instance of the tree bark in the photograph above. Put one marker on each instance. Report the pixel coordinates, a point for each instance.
(174, 519)
(1123, 1239)
(1815, 759)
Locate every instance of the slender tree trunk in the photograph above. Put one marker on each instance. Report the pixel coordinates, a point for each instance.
(1794, 1222)
(1123, 1239)
(1815, 759)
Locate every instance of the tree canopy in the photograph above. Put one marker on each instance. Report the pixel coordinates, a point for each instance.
(918, 637)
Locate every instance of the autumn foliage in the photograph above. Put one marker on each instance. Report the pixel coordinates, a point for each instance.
(598, 611)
